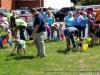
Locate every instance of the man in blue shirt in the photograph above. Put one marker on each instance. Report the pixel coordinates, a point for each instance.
(39, 32)
(69, 33)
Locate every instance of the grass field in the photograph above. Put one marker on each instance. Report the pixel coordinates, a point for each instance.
(57, 61)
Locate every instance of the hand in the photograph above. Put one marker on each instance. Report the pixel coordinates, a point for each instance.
(32, 36)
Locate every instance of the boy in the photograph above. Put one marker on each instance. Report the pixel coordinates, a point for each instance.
(79, 43)
(20, 45)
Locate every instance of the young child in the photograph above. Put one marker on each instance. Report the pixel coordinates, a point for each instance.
(54, 29)
(79, 43)
(20, 45)
(61, 31)
(48, 31)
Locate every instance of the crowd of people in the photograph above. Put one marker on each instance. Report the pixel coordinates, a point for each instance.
(43, 29)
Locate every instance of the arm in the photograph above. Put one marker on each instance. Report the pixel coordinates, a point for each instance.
(67, 41)
(82, 18)
(13, 51)
(53, 18)
(35, 30)
(38, 23)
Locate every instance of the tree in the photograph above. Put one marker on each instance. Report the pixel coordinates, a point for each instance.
(74, 1)
(90, 2)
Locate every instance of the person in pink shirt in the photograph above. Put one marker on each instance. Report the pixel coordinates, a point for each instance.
(61, 31)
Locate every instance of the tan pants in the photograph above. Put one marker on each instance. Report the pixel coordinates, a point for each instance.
(39, 42)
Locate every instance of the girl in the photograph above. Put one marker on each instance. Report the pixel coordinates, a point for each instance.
(79, 43)
(61, 31)
(20, 45)
(48, 31)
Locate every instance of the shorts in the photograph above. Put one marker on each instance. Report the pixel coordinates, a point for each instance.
(21, 47)
(97, 34)
(80, 44)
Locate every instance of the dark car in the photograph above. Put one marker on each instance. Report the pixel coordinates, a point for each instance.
(63, 12)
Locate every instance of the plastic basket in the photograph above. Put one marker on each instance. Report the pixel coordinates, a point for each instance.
(89, 39)
(85, 46)
(4, 41)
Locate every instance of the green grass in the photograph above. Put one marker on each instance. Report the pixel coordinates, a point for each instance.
(57, 61)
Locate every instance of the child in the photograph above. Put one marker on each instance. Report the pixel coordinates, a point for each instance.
(53, 29)
(79, 43)
(8, 36)
(20, 45)
(61, 31)
(48, 31)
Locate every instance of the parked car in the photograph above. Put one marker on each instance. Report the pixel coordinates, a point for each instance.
(89, 10)
(41, 9)
(18, 11)
(24, 14)
(4, 11)
(63, 12)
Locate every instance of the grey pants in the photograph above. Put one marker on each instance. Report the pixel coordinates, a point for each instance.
(39, 42)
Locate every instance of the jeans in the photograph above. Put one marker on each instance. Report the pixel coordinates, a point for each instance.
(84, 31)
(48, 36)
(72, 39)
(9, 41)
(22, 29)
(1, 38)
(52, 35)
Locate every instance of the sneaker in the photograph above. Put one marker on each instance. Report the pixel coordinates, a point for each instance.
(68, 49)
(38, 55)
(42, 56)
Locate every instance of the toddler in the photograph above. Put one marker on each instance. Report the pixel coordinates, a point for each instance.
(61, 31)
(20, 45)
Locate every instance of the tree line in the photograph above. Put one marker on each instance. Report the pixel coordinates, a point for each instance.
(86, 2)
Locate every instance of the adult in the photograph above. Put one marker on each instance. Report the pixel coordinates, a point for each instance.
(50, 19)
(85, 21)
(69, 20)
(90, 22)
(2, 18)
(98, 15)
(9, 15)
(94, 15)
(79, 22)
(69, 34)
(45, 13)
(39, 32)
(21, 24)
(15, 15)
(2, 35)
